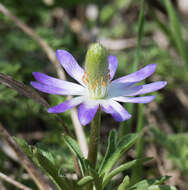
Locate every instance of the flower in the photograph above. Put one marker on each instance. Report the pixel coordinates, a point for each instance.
(96, 87)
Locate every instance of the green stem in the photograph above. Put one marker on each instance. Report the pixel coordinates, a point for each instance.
(94, 138)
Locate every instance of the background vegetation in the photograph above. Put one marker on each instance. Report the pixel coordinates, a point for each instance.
(73, 25)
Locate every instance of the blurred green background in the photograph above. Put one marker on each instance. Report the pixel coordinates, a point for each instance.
(73, 25)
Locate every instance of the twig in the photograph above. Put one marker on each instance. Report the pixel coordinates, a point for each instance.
(2, 186)
(12, 181)
(52, 57)
(79, 133)
(37, 176)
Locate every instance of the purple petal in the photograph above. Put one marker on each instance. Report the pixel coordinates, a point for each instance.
(58, 85)
(147, 88)
(68, 90)
(122, 89)
(116, 110)
(70, 65)
(66, 105)
(142, 100)
(112, 65)
(139, 75)
(86, 112)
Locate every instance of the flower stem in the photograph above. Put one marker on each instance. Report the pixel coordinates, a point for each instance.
(94, 138)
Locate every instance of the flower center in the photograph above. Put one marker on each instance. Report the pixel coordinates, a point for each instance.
(97, 86)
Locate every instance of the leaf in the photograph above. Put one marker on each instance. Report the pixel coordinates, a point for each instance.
(22, 89)
(27, 149)
(84, 181)
(122, 168)
(176, 31)
(124, 184)
(74, 147)
(52, 171)
(97, 179)
(110, 149)
(124, 144)
(161, 187)
(145, 184)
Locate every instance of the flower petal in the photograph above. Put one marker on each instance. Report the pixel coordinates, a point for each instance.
(68, 90)
(66, 105)
(142, 100)
(63, 87)
(122, 89)
(86, 112)
(112, 65)
(147, 88)
(70, 65)
(115, 109)
(137, 76)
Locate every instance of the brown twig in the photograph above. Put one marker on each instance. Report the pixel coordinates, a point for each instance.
(37, 176)
(52, 57)
(13, 182)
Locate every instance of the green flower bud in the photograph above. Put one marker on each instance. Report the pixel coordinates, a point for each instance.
(97, 72)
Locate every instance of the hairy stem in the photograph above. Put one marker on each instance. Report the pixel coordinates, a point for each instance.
(94, 138)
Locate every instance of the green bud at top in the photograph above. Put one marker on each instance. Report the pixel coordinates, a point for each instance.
(97, 72)
(96, 60)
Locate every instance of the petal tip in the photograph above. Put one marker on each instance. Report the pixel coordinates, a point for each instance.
(34, 73)
(84, 123)
(51, 110)
(128, 116)
(163, 84)
(32, 83)
(152, 67)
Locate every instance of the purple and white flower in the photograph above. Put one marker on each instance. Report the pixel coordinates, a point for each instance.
(106, 96)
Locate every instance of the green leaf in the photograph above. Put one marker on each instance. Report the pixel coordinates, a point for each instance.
(161, 187)
(124, 184)
(107, 13)
(124, 144)
(52, 171)
(127, 129)
(145, 184)
(74, 147)
(84, 181)
(122, 168)
(97, 179)
(26, 148)
(176, 31)
(110, 149)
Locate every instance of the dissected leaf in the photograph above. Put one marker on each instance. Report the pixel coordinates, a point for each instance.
(74, 147)
(161, 187)
(84, 181)
(124, 184)
(124, 144)
(27, 149)
(52, 171)
(145, 184)
(110, 149)
(122, 168)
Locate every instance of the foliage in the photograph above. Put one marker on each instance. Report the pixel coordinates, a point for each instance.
(54, 21)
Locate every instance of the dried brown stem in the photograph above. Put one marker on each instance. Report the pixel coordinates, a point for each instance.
(13, 182)
(52, 57)
(37, 176)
